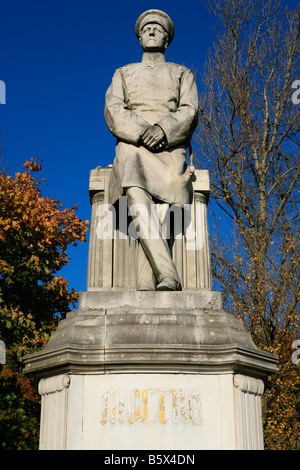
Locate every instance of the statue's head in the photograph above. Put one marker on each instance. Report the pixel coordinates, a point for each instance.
(155, 30)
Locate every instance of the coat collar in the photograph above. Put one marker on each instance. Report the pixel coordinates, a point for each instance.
(153, 57)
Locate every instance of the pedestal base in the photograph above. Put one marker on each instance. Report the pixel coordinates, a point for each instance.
(151, 370)
(151, 412)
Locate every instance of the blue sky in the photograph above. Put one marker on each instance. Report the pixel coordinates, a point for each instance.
(57, 60)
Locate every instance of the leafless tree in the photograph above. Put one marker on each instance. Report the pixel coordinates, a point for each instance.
(249, 139)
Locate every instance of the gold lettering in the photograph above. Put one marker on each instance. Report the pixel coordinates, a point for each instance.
(145, 404)
(130, 418)
(181, 403)
(121, 409)
(113, 407)
(104, 408)
(150, 410)
(137, 404)
(176, 416)
(162, 409)
(194, 407)
(149, 405)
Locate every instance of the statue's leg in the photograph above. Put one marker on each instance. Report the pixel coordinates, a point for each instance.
(145, 279)
(145, 217)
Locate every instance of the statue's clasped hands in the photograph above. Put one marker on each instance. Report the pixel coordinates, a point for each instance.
(154, 138)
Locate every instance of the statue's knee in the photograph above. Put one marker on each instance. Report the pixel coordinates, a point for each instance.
(135, 195)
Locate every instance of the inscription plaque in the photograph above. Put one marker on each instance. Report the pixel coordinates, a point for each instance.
(151, 406)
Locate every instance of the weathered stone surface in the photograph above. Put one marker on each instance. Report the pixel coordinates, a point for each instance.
(113, 253)
(150, 331)
(151, 411)
(200, 299)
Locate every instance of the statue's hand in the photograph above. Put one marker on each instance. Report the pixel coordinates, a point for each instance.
(153, 138)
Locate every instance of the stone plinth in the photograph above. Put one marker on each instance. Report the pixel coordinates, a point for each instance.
(151, 412)
(151, 370)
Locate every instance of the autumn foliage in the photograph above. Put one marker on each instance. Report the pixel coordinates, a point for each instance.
(282, 401)
(35, 232)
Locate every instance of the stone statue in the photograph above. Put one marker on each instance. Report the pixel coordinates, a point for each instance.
(151, 108)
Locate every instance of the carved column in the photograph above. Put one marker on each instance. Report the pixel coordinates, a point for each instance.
(249, 432)
(100, 249)
(192, 252)
(54, 406)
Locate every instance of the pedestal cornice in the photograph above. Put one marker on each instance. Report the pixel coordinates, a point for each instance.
(150, 332)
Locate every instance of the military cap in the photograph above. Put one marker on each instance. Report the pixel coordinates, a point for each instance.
(155, 16)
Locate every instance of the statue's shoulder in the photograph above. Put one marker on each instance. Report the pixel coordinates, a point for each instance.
(178, 67)
(128, 67)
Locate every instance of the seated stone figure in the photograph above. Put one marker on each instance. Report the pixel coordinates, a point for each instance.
(151, 108)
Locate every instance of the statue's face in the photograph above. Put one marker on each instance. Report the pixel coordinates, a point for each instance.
(153, 38)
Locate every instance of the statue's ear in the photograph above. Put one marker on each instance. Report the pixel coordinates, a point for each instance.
(167, 41)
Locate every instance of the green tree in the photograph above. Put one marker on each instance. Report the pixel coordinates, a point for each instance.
(248, 138)
(35, 232)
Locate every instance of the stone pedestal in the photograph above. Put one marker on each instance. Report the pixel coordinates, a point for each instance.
(151, 411)
(154, 370)
(151, 370)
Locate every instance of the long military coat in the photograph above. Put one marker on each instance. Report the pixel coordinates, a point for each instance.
(143, 94)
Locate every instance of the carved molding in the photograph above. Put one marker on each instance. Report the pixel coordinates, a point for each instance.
(249, 432)
(248, 384)
(200, 198)
(54, 392)
(54, 384)
(98, 197)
